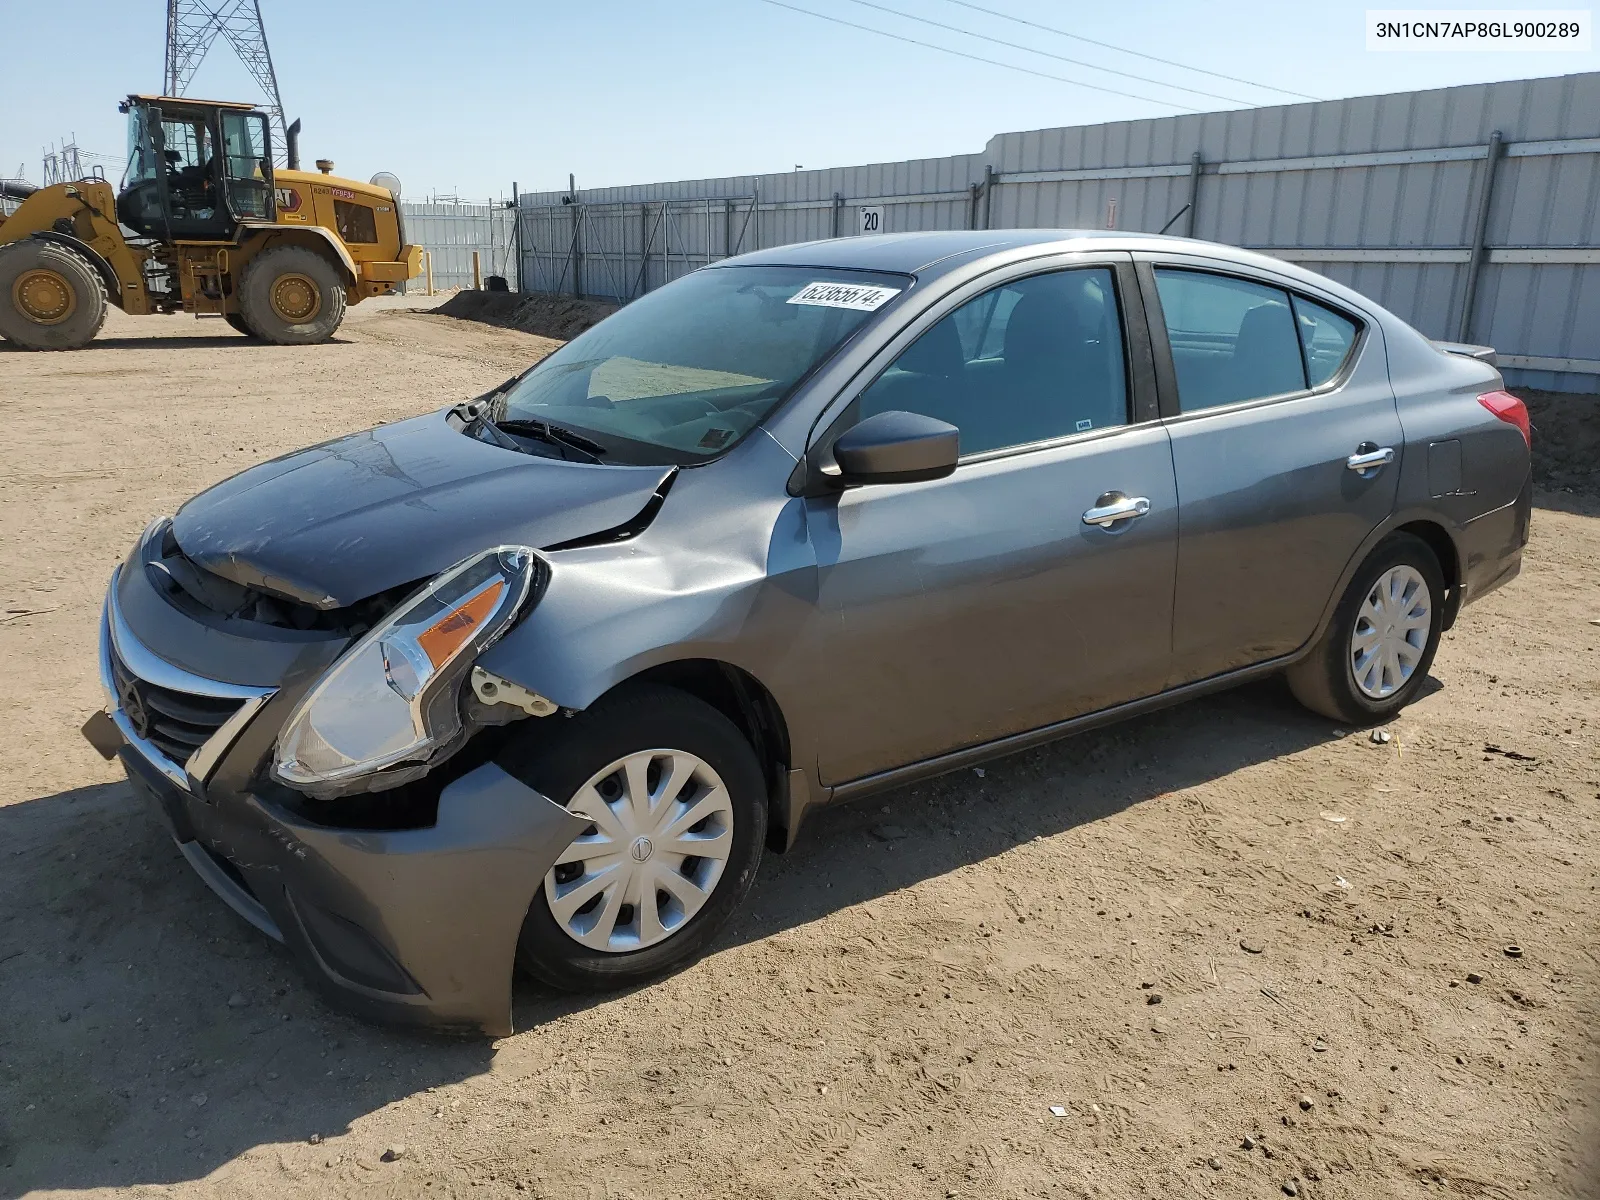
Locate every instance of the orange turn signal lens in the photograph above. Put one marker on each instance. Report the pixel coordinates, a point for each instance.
(449, 633)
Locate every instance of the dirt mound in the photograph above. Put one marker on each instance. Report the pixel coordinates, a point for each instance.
(1566, 440)
(548, 316)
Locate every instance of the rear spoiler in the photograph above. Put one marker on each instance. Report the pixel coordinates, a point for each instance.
(1484, 354)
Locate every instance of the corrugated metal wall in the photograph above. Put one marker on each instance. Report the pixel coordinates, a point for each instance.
(451, 230)
(1380, 192)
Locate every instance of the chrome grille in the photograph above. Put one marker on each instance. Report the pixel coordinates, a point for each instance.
(175, 723)
(178, 722)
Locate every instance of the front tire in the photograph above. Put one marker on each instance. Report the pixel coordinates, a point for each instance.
(1374, 656)
(51, 298)
(678, 804)
(292, 296)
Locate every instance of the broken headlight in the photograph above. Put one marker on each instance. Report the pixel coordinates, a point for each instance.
(394, 697)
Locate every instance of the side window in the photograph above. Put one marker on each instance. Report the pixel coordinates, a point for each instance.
(1327, 338)
(355, 221)
(1036, 359)
(1231, 339)
(188, 156)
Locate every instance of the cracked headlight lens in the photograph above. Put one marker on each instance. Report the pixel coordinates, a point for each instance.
(394, 697)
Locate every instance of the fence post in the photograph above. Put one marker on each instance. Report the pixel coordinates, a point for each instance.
(988, 196)
(427, 267)
(516, 231)
(1194, 192)
(477, 273)
(838, 207)
(1480, 230)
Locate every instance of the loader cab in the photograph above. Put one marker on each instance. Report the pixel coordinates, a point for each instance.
(196, 169)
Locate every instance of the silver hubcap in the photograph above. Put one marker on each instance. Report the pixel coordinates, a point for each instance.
(1391, 632)
(660, 834)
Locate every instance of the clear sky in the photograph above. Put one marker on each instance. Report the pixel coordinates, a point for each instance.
(466, 97)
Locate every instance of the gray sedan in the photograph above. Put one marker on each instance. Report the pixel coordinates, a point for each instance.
(537, 679)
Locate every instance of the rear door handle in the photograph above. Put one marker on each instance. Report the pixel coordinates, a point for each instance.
(1113, 507)
(1370, 460)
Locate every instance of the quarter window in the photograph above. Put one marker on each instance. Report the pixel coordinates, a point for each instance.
(1039, 358)
(1231, 340)
(1327, 338)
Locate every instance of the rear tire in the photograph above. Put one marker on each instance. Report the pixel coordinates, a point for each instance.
(51, 298)
(292, 296)
(236, 322)
(578, 764)
(1399, 586)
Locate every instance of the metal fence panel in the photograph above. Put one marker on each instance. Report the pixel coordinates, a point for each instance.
(1383, 193)
(451, 230)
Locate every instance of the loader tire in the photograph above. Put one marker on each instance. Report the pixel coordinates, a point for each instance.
(51, 298)
(292, 296)
(236, 323)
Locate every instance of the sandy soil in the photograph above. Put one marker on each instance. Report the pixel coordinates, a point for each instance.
(949, 992)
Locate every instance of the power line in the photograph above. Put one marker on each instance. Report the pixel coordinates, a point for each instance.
(1077, 62)
(1136, 53)
(993, 62)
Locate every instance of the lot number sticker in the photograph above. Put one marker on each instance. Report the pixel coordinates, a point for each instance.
(860, 296)
(871, 220)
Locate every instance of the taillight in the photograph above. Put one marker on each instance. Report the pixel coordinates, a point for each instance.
(1509, 409)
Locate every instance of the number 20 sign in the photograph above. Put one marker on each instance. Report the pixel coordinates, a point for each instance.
(871, 220)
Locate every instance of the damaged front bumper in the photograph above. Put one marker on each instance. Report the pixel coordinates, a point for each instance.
(415, 926)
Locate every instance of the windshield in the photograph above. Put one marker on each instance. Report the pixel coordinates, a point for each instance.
(141, 166)
(684, 372)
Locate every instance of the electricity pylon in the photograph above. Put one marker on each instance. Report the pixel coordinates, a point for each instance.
(194, 25)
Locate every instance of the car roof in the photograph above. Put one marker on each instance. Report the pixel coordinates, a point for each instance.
(932, 254)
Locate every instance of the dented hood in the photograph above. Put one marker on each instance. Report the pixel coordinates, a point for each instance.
(338, 522)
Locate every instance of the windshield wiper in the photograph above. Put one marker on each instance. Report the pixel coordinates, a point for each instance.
(553, 434)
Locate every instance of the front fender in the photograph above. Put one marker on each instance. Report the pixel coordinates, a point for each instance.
(96, 260)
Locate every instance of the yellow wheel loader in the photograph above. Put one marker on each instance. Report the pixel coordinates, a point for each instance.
(204, 224)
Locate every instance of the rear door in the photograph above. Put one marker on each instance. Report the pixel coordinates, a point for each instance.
(984, 604)
(1285, 447)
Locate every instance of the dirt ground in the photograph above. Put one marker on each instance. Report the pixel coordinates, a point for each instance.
(1106, 968)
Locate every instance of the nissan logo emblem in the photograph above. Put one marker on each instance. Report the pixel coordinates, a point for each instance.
(133, 708)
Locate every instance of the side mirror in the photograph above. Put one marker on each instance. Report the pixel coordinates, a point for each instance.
(896, 447)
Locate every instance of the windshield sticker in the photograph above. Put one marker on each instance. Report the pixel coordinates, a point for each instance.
(859, 296)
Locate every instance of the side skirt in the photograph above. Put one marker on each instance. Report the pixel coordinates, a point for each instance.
(1018, 742)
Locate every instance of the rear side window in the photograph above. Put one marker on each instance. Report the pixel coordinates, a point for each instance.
(1232, 340)
(1327, 338)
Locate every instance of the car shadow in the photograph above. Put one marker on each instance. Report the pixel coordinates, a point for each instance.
(151, 1037)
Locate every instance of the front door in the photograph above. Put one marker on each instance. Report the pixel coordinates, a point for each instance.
(1033, 584)
(1279, 400)
(187, 152)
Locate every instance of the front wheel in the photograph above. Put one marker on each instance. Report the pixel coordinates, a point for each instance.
(51, 298)
(1375, 654)
(677, 807)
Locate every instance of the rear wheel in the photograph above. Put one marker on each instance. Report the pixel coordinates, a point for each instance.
(1374, 656)
(677, 807)
(292, 296)
(51, 298)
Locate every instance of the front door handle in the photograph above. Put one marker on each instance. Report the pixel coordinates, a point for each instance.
(1113, 507)
(1370, 460)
